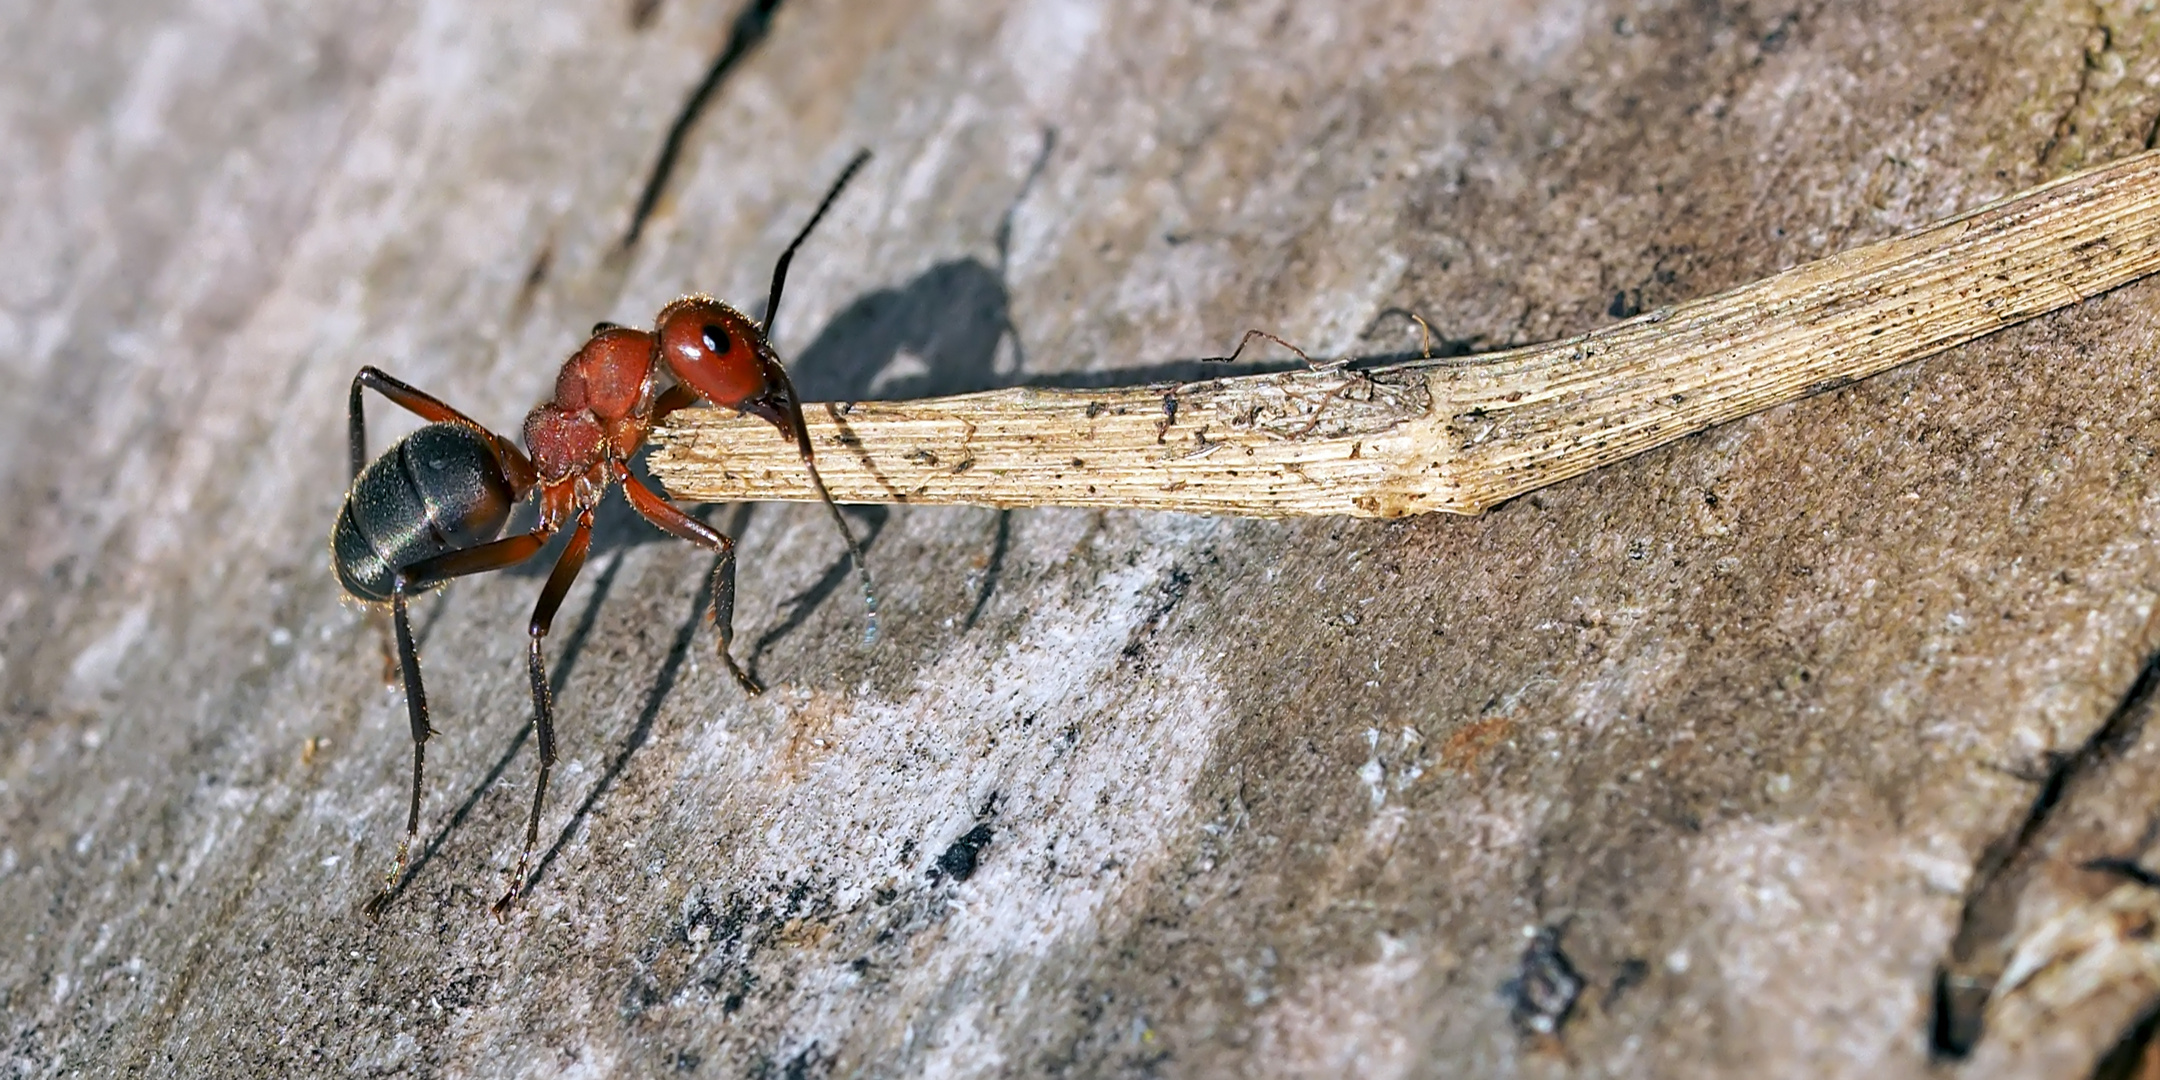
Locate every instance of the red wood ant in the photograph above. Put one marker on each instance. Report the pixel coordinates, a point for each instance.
(432, 507)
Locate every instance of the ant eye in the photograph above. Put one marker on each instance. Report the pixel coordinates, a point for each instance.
(712, 348)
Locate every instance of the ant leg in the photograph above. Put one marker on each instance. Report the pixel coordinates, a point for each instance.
(674, 397)
(551, 598)
(427, 407)
(664, 514)
(493, 555)
(419, 402)
(416, 707)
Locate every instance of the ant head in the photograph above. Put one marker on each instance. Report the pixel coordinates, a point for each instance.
(717, 351)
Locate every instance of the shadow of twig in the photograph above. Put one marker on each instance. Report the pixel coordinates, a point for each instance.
(750, 27)
(991, 572)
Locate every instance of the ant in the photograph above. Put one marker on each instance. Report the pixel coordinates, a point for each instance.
(433, 506)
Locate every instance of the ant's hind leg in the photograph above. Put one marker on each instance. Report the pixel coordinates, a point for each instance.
(427, 407)
(551, 598)
(493, 555)
(414, 400)
(663, 513)
(417, 708)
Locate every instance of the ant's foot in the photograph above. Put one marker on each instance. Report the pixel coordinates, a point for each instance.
(515, 892)
(750, 686)
(508, 903)
(379, 903)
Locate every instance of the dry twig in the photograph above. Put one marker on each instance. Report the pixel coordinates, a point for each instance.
(1458, 435)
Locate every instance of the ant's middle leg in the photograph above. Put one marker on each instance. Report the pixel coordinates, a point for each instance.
(493, 555)
(663, 513)
(551, 598)
(417, 709)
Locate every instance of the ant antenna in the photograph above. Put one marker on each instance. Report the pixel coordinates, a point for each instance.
(779, 273)
(855, 552)
(802, 434)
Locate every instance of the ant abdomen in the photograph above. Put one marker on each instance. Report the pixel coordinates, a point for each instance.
(437, 490)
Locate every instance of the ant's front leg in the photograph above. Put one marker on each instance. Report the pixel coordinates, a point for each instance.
(674, 397)
(664, 514)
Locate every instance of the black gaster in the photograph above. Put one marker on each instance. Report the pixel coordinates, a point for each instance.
(439, 489)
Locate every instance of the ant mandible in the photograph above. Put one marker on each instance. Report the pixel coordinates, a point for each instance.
(432, 507)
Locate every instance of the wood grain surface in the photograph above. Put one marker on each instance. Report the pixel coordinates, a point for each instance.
(1815, 743)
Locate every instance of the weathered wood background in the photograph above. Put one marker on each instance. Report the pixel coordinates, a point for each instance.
(1791, 738)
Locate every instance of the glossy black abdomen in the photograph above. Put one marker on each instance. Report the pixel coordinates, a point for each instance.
(437, 490)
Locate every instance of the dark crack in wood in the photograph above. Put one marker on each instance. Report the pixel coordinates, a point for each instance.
(750, 28)
(1982, 946)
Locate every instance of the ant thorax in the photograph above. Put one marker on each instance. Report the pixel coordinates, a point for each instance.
(601, 412)
(563, 442)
